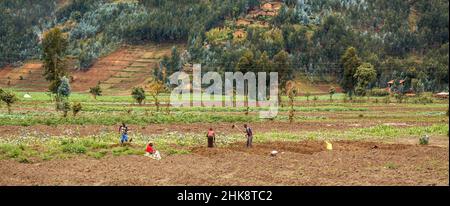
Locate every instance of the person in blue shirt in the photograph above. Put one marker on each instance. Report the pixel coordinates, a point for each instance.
(123, 130)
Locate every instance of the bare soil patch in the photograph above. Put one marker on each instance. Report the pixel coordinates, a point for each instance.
(298, 163)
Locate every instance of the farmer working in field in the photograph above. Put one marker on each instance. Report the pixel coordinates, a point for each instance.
(151, 152)
(211, 137)
(249, 135)
(123, 130)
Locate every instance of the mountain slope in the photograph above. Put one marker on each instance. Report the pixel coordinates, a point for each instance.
(118, 72)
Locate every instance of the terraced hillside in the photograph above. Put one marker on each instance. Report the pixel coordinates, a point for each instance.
(136, 67)
(27, 77)
(118, 72)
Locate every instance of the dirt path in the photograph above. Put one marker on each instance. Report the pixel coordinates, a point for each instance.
(300, 163)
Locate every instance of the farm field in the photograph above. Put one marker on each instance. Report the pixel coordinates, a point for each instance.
(375, 142)
(295, 93)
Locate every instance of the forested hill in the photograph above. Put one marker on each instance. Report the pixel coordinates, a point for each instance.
(401, 39)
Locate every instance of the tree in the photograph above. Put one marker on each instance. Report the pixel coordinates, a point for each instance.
(292, 93)
(96, 91)
(264, 64)
(418, 86)
(246, 62)
(174, 62)
(291, 3)
(62, 94)
(76, 108)
(333, 38)
(350, 63)
(282, 64)
(8, 98)
(156, 88)
(332, 91)
(138, 94)
(64, 89)
(54, 45)
(64, 107)
(364, 75)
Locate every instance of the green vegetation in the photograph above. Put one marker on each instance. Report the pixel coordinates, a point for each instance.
(402, 40)
(96, 91)
(76, 108)
(54, 46)
(350, 62)
(391, 166)
(364, 75)
(378, 92)
(8, 98)
(361, 45)
(138, 94)
(17, 32)
(424, 140)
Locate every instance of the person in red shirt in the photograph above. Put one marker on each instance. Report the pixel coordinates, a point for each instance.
(151, 152)
(149, 149)
(211, 137)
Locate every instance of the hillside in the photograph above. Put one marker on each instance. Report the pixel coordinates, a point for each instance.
(119, 72)
(401, 40)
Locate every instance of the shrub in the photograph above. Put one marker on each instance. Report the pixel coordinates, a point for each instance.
(64, 89)
(423, 100)
(138, 94)
(10, 151)
(377, 92)
(24, 160)
(96, 91)
(63, 105)
(424, 140)
(76, 108)
(74, 148)
(97, 155)
(391, 166)
(8, 98)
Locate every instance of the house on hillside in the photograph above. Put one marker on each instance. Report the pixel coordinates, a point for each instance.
(239, 34)
(271, 13)
(256, 13)
(267, 7)
(243, 22)
(391, 87)
(272, 6)
(277, 5)
(442, 95)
